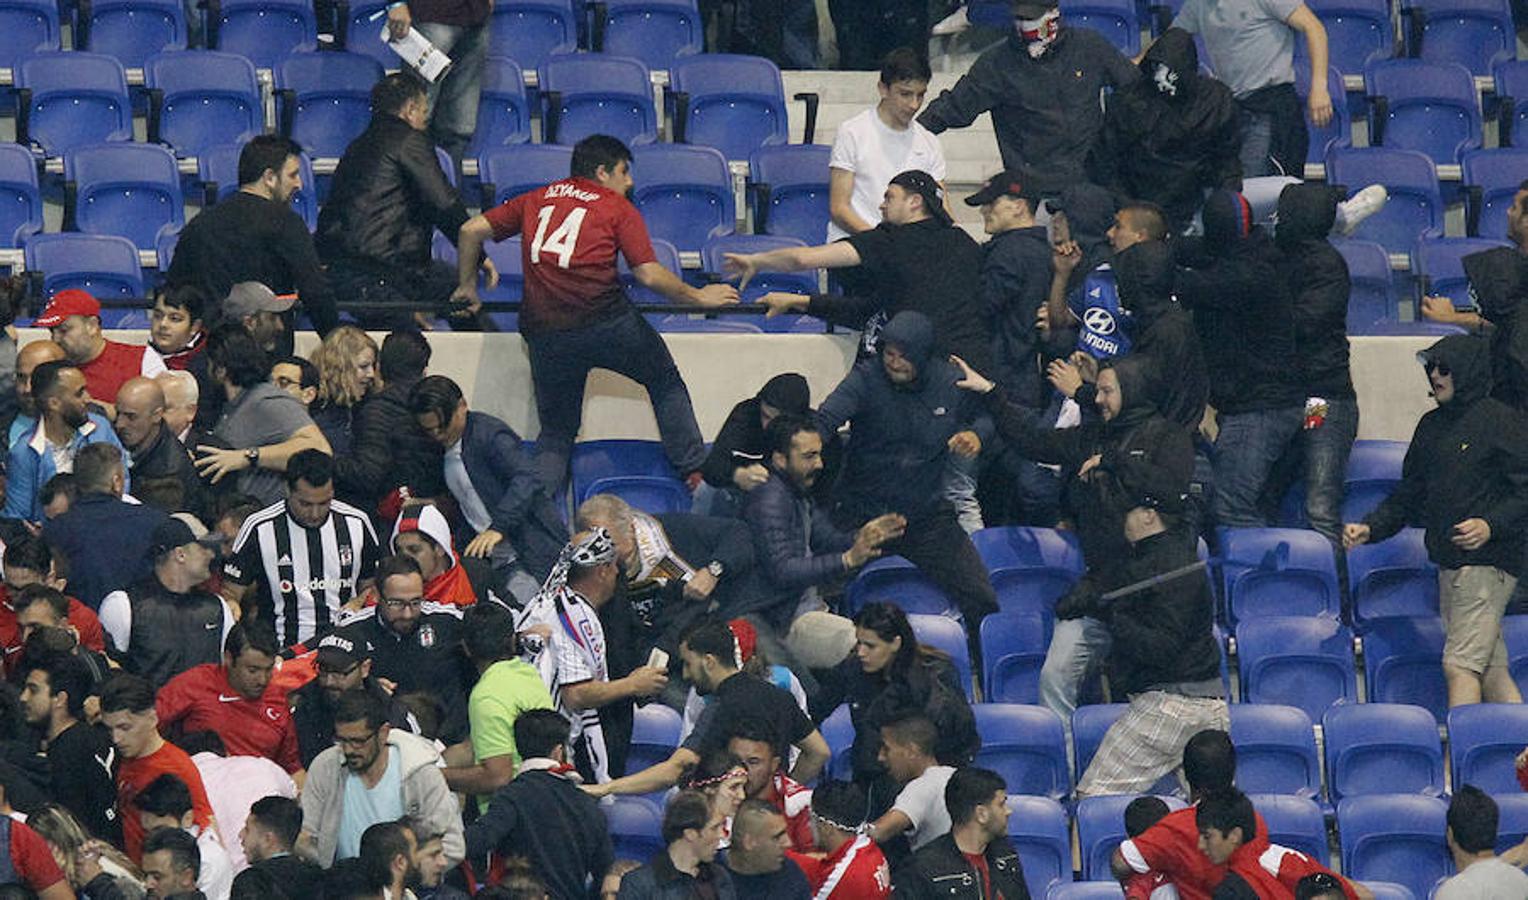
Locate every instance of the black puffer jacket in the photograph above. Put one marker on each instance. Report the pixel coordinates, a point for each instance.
(1498, 282)
(1172, 134)
(1318, 281)
(388, 196)
(1468, 459)
(388, 449)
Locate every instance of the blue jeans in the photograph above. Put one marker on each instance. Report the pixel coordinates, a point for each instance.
(454, 98)
(1325, 450)
(960, 490)
(1246, 449)
(1257, 141)
(1077, 647)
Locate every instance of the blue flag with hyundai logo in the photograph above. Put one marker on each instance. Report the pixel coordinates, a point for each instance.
(1101, 329)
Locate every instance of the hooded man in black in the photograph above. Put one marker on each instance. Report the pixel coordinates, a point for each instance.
(1498, 283)
(1171, 135)
(1243, 312)
(1465, 480)
(1081, 216)
(907, 417)
(735, 464)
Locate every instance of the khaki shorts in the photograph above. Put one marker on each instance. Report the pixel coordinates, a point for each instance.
(1472, 600)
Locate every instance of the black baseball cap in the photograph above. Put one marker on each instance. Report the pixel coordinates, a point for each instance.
(174, 532)
(1010, 183)
(922, 183)
(338, 653)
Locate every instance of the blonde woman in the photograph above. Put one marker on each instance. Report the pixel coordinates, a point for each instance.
(347, 375)
(95, 869)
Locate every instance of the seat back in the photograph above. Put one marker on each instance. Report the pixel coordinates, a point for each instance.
(362, 32)
(1039, 831)
(1024, 744)
(1372, 298)
(651, 494)
(1085, 890)
(1478, 33)
(1442, 261)
(266, 31)
(1089, 725)
(20, 196)
(1514, 631)
(658, 32)
(27, 27)
(1484, 740)
(504, 113)
(1374, 469)
(893, 579)
(131, 190)
(1512, 82)
(666, 255)
(1393, 577)
(949, 636)
(331, 98)
(599, 94)
(1277, 571)
(1357, 31)
(712, 258)
(1117, 21)
(1301, 661)
(130, 31)
(1275, 750)
(838, 730)
(592, 460)
(1395, 838)
(1382, 748)
(796, 204)
(1511, 821)
(1013, 652)
(1415, 207)
(531, 31)
(209, 99)
(1030, 568)
(1403, 663)
(101, 265)
(684, 193)
(1294, 822)
(1432, 107)
(655, 731)
(636, 828)
(1493, 171)
(77, 98)
(518, 168)
(736, 103)
(220, 166)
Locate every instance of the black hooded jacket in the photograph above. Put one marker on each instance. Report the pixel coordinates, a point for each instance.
(1498, 282)
(1468, 459)
(1318, 281)
(1242, 309)
(1089, 213)
(1163, 636)
(1169, 147)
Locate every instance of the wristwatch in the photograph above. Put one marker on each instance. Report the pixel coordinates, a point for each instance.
(715, 568)
(253, 455)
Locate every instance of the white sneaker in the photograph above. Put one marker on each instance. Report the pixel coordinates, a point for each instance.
(1360, 206)
(954, 23)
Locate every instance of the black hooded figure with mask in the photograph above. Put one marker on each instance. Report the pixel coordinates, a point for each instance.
(1172, 135)
(1087, 212)
(907, 417)
(1464, 480)
(1498, 283)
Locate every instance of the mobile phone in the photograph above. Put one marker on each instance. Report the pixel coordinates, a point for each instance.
(658, 659)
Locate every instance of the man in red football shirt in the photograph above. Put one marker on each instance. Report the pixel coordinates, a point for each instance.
(851, 866)
(236, 700)
(574, 315)
(75, 319)
(28, 561)
(127, 710)
(753, 742)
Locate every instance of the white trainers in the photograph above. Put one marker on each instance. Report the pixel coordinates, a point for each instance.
(954, 23)
(1360, 206)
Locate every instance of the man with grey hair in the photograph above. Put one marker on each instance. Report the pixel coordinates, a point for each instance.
(182, 398)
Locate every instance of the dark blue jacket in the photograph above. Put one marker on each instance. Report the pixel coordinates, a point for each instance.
(503, 477)
(106, 541)
(781, 519)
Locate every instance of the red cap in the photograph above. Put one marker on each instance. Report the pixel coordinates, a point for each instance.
(72, 302)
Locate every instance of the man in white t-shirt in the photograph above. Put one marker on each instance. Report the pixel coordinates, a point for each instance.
(1471, 834)
(872, 147)
(907, 752)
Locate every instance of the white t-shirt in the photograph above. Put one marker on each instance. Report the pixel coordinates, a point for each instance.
(1489, 879)
(922, 801)
(876, 154)
(216, 877)
(233, 785)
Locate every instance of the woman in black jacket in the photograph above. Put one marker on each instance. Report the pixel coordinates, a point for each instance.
(888, 675)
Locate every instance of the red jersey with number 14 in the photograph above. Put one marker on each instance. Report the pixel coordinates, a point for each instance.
(570, 232)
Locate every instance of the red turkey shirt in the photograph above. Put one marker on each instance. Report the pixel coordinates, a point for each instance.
(857, 870)
(200, 699)
(133, 775)
(1171, 847)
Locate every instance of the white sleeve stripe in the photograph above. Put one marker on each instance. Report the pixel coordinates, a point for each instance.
(1133, 857)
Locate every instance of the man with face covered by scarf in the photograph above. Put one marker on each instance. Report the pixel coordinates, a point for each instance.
(1042, 86)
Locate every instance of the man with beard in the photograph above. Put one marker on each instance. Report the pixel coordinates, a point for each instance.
(80, 755)
(387, 851)
(65, 426)
(74, 318)
(423, 534)
(28, 359)
(343, 665)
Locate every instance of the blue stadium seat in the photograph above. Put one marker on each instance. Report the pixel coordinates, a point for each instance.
(684, 193)
(102, 265)
(1030, 567)
(1089, 725)
(1415, 207)
(948, 635)
(1440, 260)
(1302, 661)
(164, 249)
(790, 191)
(704, 324)
(1101, 828)
(666, 255)
(361, 32)
(131, 190)
(1013, 651)
(1039, 830)
(1372, 299)
(1116, 20)
(711, 259)
(1382, 748)
(1024, 744)
(200, 99)
(326, 99)
(588, 94)
(507, 258)
(217, 168)
(1386, 890)
(1374, 469)
(131, 31)
(508, 172)
(1425, 106)
(1514, 630)
(1277, 571)
(1478, 33)
(504, 113)
(1491, 178)
(263, 31)
(27, 27)
(1357, 32)
(594, 460)
(733, 103)
(895, 580)
(20, 196)
(1484, 739)
(1512, 101)
(636, 828)
(648, 493)
(1293, 822)
(1512, 820)
(1392, 577)
(1085, 890)
(531, 31)
(1339, 131)
(1275, 751)
(1403, 663)
(654, 735)
(1394, 838)
(71, 99)
(838, 730)
(658, 32)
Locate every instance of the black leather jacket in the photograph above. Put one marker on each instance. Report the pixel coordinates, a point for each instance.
(940, 870)
(388, 197)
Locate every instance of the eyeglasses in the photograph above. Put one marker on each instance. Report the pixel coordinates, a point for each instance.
(398, 604)
(355, 743)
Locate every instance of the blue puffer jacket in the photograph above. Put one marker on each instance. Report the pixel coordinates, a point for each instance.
(31, 466)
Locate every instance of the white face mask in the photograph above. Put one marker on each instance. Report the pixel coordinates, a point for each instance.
(1039, 34)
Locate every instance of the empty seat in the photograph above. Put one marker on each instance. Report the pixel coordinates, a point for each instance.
(1512, 96)
(838, 730)
(1491, 179)
(683, 193)
(504, 113)
(1275, 751)
(27, 27)
(1415, 207)
(1374, 469)
(654, 735)
(1357, 32)
(1339, 131)
(1277, 571)
(1372, 298)
(636, 828)
(657, 32)
(1392, 577)
(263, 31)
(1403, 663)
(199, 99)
(1394, 838)
(949, 636)
(1478, 33)
(735, 104)
(130, 190)
(1301, 661)
(1024, 744)
(1514, 630)
(1293, 822)
(713, 253)
(1030, 568)
(102, 265)
(1484, 739)
(531, 31)
(666, 255)
(20, 196)
(1116, 20)
(594, 460)
(790, 191)
(1039, 831)
(1387, 890)
(164, 250)
(72, 99)
(1425, 106)
(893, 579)
(1382, 748)
(588, 94)
(130, 31)
(361, 31)
(1013, 652)
(326, 99)
(1512, 820)
(508, 172)
(1101, 828)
